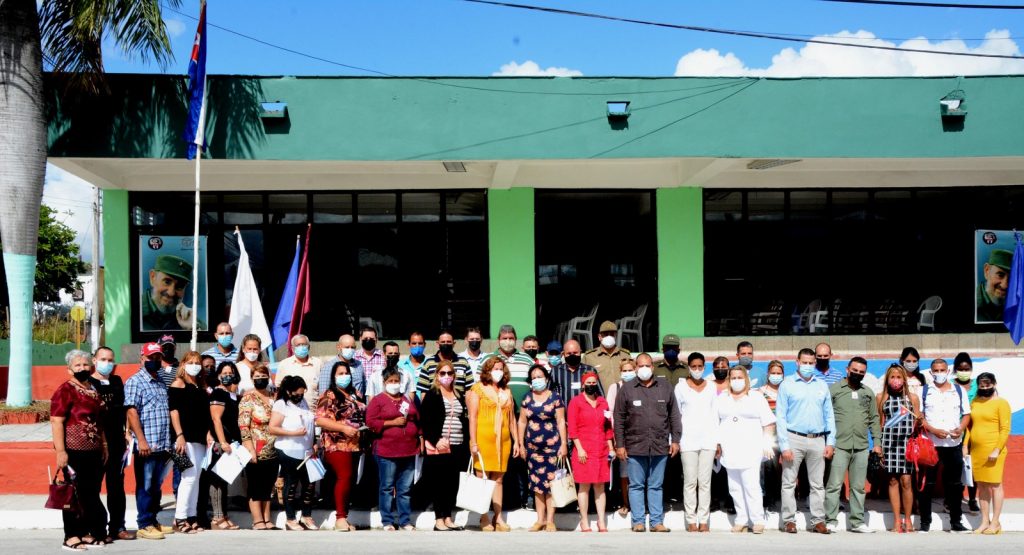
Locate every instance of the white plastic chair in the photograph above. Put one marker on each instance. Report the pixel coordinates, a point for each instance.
(927, 311)
(583, 326)
(366, 321)
(804, 322)
(632, 325)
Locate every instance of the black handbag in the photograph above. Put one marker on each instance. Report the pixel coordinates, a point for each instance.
(181, 462)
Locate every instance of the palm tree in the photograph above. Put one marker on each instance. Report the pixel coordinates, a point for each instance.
(67, 34)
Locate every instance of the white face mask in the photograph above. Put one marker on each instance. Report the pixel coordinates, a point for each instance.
(193, 369)
(251, 357)
(497, 376)
(737, 384)
(697, 375)
(910, 366)
(940, 377)
(608, 341)
(347, 353)
(507, 345)
(393, 388)
(644, 373)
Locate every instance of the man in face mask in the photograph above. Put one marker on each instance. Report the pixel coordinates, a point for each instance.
(531, 346)
(445, 352)
(417, 358)
(745, 359)
(947, 413)
(566, 376)
(369, 356)
(473, 353)
(224, 349)
(150, 422)
(964, 368)
(392, 355)
(303, 365)
(806, 430)
(855, 413)
(168, 363)
(346, 347)
(823, 363)
(670, 367)
(111, 390)
(607, 357)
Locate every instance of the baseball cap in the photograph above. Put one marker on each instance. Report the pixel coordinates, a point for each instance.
(166, 340)
(555, 346)
(151, 349)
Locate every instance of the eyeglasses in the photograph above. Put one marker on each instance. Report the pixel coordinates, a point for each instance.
(445, 374)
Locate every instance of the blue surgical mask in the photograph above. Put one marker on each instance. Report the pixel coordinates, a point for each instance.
(554, 360)
(105, 367)
(775, 379)
(417, 351)
(538, 384)
(805, 370)
(347, 353)
(940, 377)
(628, 376)
(302, 351)
(225, 340)
(343, 381)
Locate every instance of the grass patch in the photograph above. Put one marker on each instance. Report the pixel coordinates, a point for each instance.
(40, 408)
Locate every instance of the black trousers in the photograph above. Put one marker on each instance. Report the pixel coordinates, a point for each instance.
(951, 459)
(113, 477)
(92, 521)
(298, 491)
(441, 474)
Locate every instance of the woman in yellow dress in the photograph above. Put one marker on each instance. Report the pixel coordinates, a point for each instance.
(492, 432)
(990, 430)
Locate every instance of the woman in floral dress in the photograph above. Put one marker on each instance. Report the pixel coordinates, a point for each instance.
(542, 433)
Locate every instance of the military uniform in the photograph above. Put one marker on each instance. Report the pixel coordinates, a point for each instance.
(986, 309)
(606, 364)
(672, 373)
(152, 318)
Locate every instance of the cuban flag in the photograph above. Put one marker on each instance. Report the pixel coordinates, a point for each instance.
(195, 128)
(895, 420)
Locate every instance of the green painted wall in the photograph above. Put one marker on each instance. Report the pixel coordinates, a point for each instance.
(117, 315)
(43, 353)
(543, 118)
(681, 261)
(510, 247)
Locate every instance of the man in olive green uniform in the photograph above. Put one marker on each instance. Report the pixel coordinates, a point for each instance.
(670, 368)
(607, 357)
(991, 297)
(162, 307)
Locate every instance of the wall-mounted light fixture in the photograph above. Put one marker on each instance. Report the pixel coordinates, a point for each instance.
(618, 109)
(953, 105)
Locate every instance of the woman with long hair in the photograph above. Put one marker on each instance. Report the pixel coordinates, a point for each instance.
(190, 422)
(340, 413)
(292, 422)
(445, 427)
(900, 412)
(225, 432)
(250, 354)
(254, 412)
(492, 433)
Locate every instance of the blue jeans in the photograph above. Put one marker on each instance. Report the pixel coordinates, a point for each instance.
(646, 474)
(149, 477)
(395, 483)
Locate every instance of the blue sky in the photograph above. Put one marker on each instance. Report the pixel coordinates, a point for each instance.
(452, 37)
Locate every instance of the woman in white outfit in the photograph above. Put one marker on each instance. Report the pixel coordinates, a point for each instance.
(696, 399)
(744, 422)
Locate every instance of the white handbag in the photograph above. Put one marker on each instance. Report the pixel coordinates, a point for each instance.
(967, 476)
(474, 493)
(563, 487)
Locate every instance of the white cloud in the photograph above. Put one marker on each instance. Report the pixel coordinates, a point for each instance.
(839, 61)
(72, 197)
(529, 68)
(175, 27)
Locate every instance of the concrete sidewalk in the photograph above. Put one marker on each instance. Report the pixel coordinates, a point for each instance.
(26, 512)
(11, 433)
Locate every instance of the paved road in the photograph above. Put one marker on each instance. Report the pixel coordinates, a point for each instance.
(249, 542)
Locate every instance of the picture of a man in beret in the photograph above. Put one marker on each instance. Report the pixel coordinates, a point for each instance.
(162, 306)
(991, 294)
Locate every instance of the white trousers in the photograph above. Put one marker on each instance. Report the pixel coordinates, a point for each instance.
(697, 467)
(745, 488)
(188, 488)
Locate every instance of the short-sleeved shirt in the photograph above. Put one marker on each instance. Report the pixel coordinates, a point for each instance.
(674, 374)
(295, 417)
(148, 396)
(943, 410)
(111, 391)
(606, 364)
(740, 430)
(474, 361)
(82, 410)
(371, 363)
(309, 371)
(220, 356)
(463, 374)
(229, 419)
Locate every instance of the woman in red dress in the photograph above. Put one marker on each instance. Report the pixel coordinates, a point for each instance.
(591, 433)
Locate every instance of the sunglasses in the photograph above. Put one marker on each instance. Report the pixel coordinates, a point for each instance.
(445, 373)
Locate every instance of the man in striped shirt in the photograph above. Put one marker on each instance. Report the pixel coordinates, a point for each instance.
(445, 351)
(518, 363)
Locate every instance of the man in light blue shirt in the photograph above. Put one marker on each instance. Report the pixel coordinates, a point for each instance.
(806, 429)
(823, 362)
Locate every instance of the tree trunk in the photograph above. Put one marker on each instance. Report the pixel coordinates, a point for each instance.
(22, 170)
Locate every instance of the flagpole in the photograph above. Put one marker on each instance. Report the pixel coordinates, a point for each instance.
(195, 253)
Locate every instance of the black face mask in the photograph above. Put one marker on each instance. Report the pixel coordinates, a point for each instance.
(474, 345)
(152, 366)
(261, 383)
(392, 360)
(821, 363)
(447, 350)
(572, 360)
(855, 379)
(986, 392)
(531, 352)
(368, 344)
(590, 389)
(295, 399)
(227, 380)
(721, 373)
(82, 376)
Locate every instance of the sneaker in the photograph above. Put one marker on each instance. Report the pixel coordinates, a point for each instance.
(165, 529)
(832, 527)
(150, 533)
(862, 529)
(958, 528)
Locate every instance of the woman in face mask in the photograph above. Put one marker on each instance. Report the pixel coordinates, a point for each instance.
(340, 413)
(190, 423)
(254, 412)
(990, 430)
(493, 434)
(627, 373)
(743, 422)
(771, 468)
(590, 429)
(900, 412)
(224, 415)
(445, 425)
(292, 422)
(720, 370)
(542, 432)
(76, 414)
(249, 355)
(695, 398)
(396, 421)
(910, 361)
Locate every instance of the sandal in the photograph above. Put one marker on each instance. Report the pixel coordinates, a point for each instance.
(293, 526)
(76, 546)
(256, 525)
(308, 524)
(183, 527)
(389, 528)
(221, 523)
(196, 526)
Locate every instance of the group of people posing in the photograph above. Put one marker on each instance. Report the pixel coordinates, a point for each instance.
(519, 414)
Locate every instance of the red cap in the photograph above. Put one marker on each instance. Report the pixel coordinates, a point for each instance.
(151, 349)
(588, 374)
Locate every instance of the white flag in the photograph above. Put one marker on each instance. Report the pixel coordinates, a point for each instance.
(246, 311)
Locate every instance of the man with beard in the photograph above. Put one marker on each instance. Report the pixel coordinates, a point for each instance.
(991, 296)
(162, 306)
